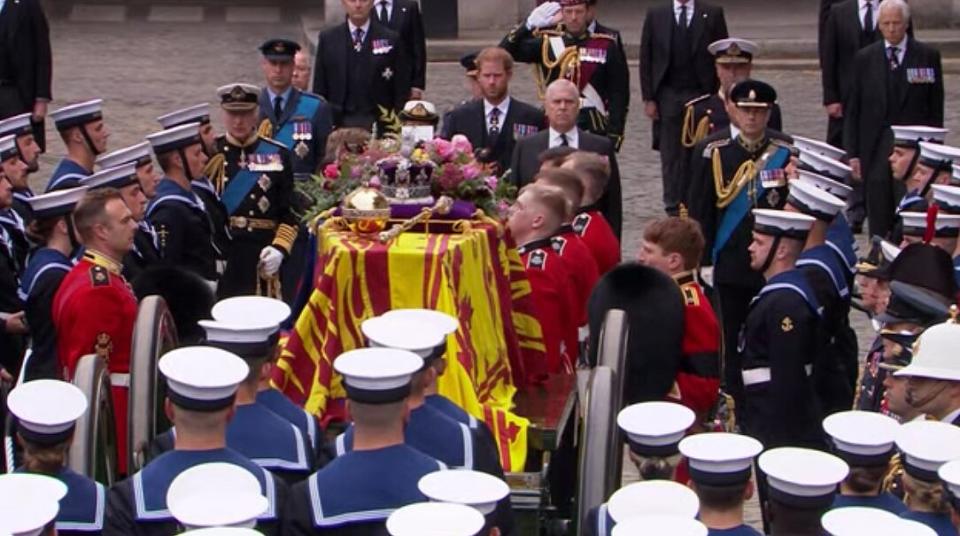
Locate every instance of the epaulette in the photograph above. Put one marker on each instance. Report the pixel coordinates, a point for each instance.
(715, 144)
(580, 223)
(604, 36)
(690, 295)
(99, 276)
(558, 243)
(537, 259)
(695, 100)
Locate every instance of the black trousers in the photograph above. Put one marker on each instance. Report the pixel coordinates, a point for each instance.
(882, 192)
(670, 104)
(734, 303)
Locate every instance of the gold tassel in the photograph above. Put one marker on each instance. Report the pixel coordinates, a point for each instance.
(269, 286)
(216, 171)
(688, 134)
(726, 193)
(684, 212)
(265, 130)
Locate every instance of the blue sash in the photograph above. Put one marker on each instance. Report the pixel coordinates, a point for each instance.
(740, 207)
(307, 108)
(240, 184)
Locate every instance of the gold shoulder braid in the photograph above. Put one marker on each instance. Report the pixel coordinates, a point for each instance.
(216, 171)
(746, 174)
(265, 129)
(893, 482)
(691, 134)
(568, 64)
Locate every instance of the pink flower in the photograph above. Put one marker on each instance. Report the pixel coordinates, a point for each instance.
(331, 171)
(470, 171)
(450, 177)
(492, 182)
(461, 144)
(374, 182)
(444, 148)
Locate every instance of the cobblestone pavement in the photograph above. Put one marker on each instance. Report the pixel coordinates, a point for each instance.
(145, 69)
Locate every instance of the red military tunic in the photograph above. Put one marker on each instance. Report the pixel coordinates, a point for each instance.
(579, 261)
(553, 300)
(698, 380)
(599, 237)
(94, 312)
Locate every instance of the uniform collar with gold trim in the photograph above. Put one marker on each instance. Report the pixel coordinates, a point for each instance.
(247, 143)
(101, 259)
(684, 278)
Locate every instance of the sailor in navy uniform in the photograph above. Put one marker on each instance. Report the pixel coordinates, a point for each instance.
(733, 170)
(653, 431)
(300, 120)
(29, 503)
(202, 186)
(778, 341)
(720, 474)
(21, 127)
(949, 473)
(124, 178)
(947, 198)
(429, 423)
(271, 441)
(47, 411)
(942, 233)
(796, 501)
(827, 275)
(15, 171)
(216, 495)
(356, 492)
(46, 268)
(178, 215)
(256, 178)
(454, 518)
(12, 340)
(865, 440)
(925, 447)
(480, 491)
(139, 154)
(934, 165)
(202, 384)
(84, 133)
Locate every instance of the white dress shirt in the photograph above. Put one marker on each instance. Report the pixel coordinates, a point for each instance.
(376, 8)
(677, 6)
(573, 138)
(504, 107)
(353, 29)
(873, 13)
(901, 49)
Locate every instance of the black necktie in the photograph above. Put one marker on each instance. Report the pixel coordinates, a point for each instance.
(868, 19)
(277, 106)
(494, 129)
(358, 39)
(683, 17)
(563, 141)
(893, 58)
(384, 14)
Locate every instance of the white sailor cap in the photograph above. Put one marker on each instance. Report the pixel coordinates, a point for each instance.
(733, 50)
(139, 153)
(803, 478)
(911, 135)
(650, 497)
(947, 197)
(29, 502)
(818, 147)
(199, 113)
(462, 486)
(857, 520)
(938, 156)
(926, 445)
(425, 340)
(915, 224)
(782, 223)
(720, 458)
(862, 438)
(47, 410)
(77, 114)
(8, 148)
(242, 310)
(445, 322)
(18, 125)
(113, 177)
(249, 341)
(202, 378)
(216, 495)
(222, 531)
(175, 138)
(815, 202)
(435, 519)
(55, 203)
(660, 524)
(837, 189)
(909, 527)
(377, 375)
(825, 165)
(655, 428)
(949, 474)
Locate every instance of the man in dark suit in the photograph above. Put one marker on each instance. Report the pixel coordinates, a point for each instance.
(675, 66)
(495, 122)
(403, 17)
(361, 69)
(897, 81)
(25, 62)
(562, 105)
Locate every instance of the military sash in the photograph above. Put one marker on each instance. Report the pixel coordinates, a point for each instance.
(743, 202)
(297, 132)
(266, 158)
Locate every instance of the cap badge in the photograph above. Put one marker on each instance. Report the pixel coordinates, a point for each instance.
(237, 93)
(752, 95)
(786, 324)
(733, 50)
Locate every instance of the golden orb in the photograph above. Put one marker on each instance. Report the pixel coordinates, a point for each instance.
(366, 210)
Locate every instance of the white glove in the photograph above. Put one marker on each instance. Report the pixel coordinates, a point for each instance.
(270, 260)
(543, 15)
(706, 275)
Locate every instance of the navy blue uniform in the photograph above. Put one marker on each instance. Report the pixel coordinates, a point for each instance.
(183, 229)
(82, 508)
(884, 501)
(45, 271)
(940, 523)
(356, 492)
(777, 347)
(742, 530)
(303, 128)
(145, 252)
(599, 522)
(67, 174)
(15, 224)
(11, 346)
(270, 441)
(278, 403)
(217, 213)
(138, 505)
